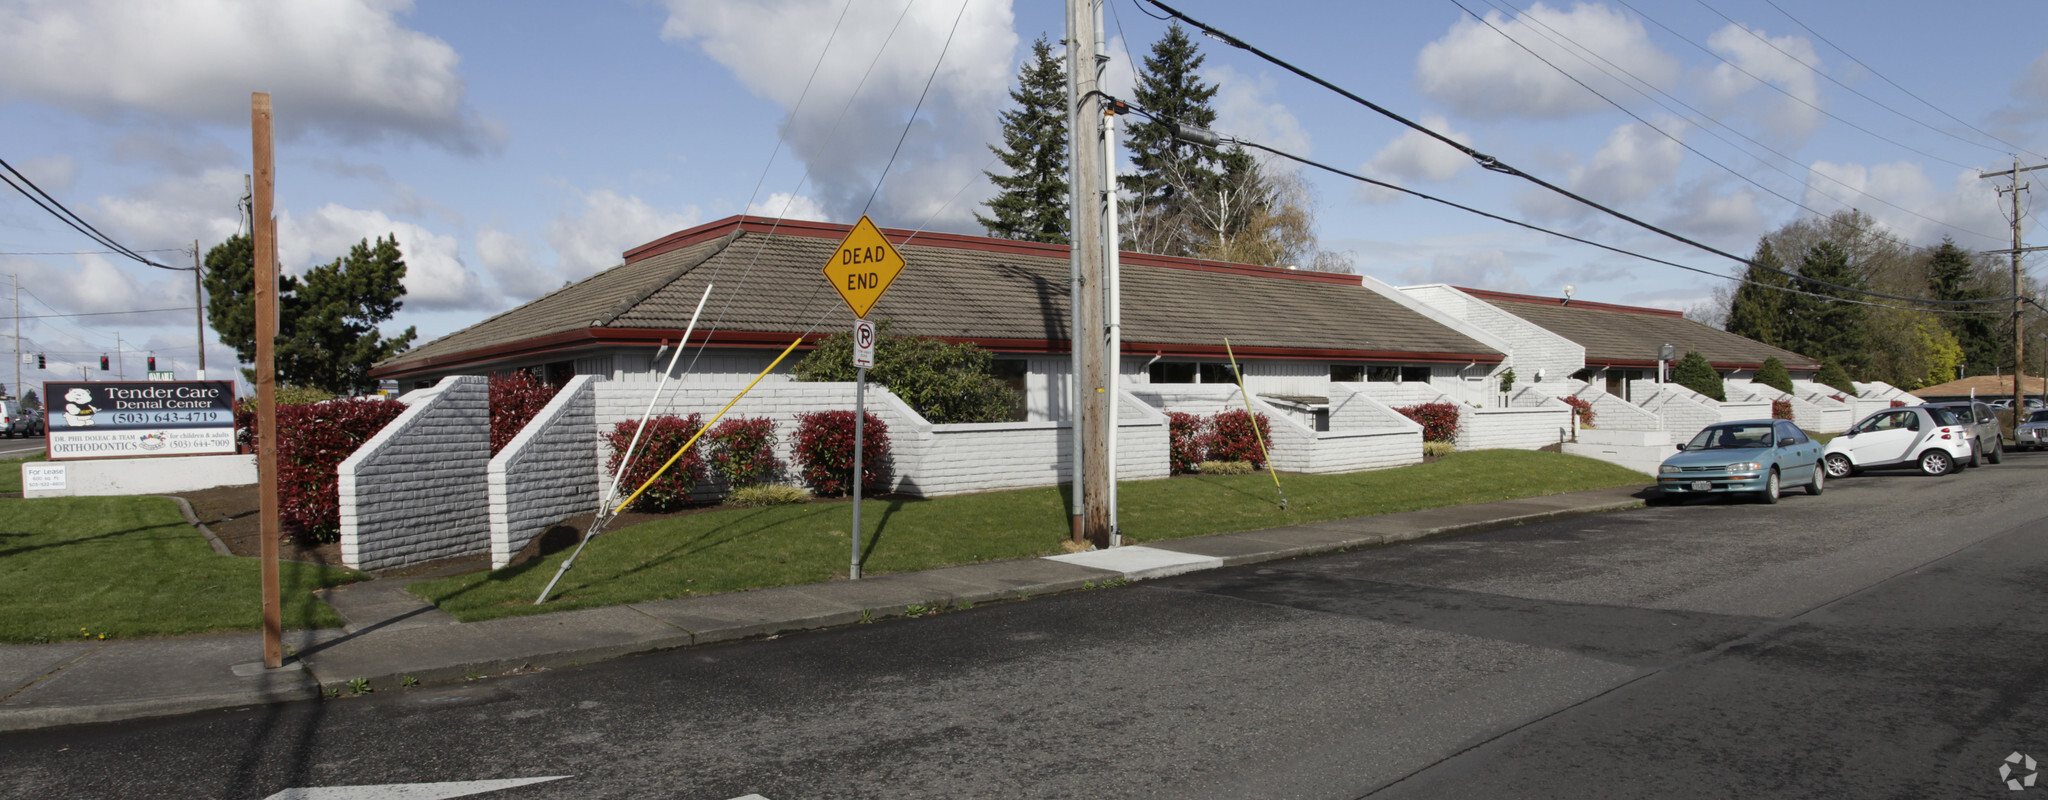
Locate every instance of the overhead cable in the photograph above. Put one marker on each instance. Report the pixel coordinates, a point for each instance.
(68, 217)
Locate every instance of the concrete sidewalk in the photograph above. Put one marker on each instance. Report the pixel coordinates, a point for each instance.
(392, 636)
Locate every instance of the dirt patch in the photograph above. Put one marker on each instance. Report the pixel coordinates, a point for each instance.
(231, 513)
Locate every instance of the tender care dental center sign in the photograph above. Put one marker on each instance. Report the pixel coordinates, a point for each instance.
(139, 418)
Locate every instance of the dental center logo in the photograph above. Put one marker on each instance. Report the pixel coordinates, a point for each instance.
(153, 441)
(2010, 773)
(78, 408)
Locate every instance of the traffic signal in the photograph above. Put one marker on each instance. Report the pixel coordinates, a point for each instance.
(103, 363)
(39, 362)
(152, 363)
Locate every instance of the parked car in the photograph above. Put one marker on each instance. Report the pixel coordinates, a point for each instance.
(1928, 437)
(1759, 456)
(1987, 437)
(16, 421)
(2033, 433)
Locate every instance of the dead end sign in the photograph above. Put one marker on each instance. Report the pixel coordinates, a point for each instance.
(863, 267)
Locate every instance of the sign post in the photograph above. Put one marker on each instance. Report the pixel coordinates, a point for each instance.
(861, 270)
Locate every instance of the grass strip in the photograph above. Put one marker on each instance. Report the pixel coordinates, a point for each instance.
(10, 473)
(731, 550)
(118, 567)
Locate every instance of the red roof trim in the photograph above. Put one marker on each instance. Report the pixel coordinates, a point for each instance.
(955, 241)
(1485, 294)
(1652, 364)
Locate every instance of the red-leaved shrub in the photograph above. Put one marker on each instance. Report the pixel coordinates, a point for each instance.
(1439, 421)
(317, 438)
(824, 453)
(1898, 403)
(1582, 408)
(1838, 398)
(665, 435)
(1185, 434)
(1781, 408)
(1230, 438)
(515, 400)
(742, 451)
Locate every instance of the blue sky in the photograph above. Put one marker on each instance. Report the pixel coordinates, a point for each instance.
(514, 146)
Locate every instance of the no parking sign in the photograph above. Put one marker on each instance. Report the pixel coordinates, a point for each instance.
(863, 344)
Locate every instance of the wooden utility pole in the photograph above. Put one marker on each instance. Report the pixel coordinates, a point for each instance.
(1093, 398)
(2019, 301)
(198, 310)
(264, 230)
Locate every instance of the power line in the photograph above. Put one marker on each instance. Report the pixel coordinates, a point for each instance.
(879, 180)
(95, 313)
(97, 252)
(71, 218)
(1496, 165)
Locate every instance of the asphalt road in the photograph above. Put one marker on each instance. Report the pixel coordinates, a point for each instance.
(1885, 639)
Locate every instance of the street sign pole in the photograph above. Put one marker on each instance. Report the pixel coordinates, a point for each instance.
(861, 270)
(860, 393)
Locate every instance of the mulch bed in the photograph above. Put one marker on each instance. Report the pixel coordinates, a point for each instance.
(231, 513)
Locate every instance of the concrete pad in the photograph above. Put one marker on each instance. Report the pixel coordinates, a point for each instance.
(21, 665)
(1138, 562)
(739, 615)
(454, 652)
(133, 679)
(382, 605)
(1239, 548)
(1030, 576)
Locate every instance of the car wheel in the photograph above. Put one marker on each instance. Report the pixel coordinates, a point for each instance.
(1997, 450)
(1937, 462)
(1820, 473)
(1770, 493)
(1838, 465)
(1976, 453)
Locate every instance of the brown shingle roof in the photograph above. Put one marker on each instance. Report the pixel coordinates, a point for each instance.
(1615, 334)
(1009, 296)
(1986, 386)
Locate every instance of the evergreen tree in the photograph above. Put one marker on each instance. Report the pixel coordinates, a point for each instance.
(30, 401)
(1952, 275)
(327, 333)
(1774, 375)
(944, 382)
(1831, 330)
(1831, 374)
(1170, 174)
(231, 294)
(1757, 309)
(1032, 203)
(1693, 372)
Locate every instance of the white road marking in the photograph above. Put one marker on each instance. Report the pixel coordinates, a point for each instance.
(407, 791)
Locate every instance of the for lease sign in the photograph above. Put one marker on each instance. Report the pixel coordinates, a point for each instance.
(140, 418)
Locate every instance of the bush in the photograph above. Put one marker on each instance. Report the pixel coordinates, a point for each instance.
(1581, 408)
(1832, 374)
(1781, 409)
(1693, 372)
(245, 411)
(824, 453)
(1439, 421)
(1230, 438)
(317, 438)
(743, 452)
(1184, 432)
(1774, 375)
(1227, 467)
(945, 382)
(665, 435)
(1507, 382)
(1897, 404)
(768, 494)
(515, 400)
(1438, 449)
(1838, 398)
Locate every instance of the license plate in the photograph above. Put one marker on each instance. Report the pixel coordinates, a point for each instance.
(1702, 486)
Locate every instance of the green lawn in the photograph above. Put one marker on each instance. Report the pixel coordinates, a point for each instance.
(10, 472)
(734, 549)
(72, 567)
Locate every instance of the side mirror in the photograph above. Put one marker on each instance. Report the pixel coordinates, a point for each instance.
(1681, 445)
(1787, 442)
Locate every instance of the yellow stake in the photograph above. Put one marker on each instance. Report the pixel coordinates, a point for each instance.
(707, 426)
(1254, 420)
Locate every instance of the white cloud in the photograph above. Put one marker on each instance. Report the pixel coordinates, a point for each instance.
(1632, 165)
(1710, 212)
(509, 261)
(1791, 116)
(783, 205)
(435, 276)
(771, 47)
(174, 210)
(1413, 157)
(1967, 204)
(343, 67)
(1243, 111)
(52, 173)
(1477, 268)
(610, 224)
(1481, 74)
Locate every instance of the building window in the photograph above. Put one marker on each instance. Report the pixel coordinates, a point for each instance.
(1585, 375)
(1011, 372)
(1382, 374)
(1347, 373)
(1218, 373)
(1172, 372)
(1414, 374)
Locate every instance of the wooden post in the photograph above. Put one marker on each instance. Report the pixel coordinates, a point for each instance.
(264, 229)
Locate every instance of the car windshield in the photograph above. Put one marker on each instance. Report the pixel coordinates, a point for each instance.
(1732, 437)
(1944, 415)
(2038, 416)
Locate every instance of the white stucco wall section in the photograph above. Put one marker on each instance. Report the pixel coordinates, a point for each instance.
(417, 490)
(545, 473)
(1389, 440)
(99, 477)
(1529, 347)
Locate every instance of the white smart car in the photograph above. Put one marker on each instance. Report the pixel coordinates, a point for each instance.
(1931, 438)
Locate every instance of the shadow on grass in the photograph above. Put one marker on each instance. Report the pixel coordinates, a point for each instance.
(895, 505)
(15, 551)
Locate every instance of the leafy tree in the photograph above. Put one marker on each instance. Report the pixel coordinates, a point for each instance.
(1830, 330)
(30, 401)
(1774, 375)
(1169, 172)
(1832, 374)
(1695, 373)
(1757, 310)
(1953, 275)
(944, 382)
(1032, 205)
(327, 336)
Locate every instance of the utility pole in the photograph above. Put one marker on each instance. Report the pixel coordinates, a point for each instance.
(120, 360)
(2019, 301)
(198, 311)
(263, 228)
(17, 334)
(1093, 400)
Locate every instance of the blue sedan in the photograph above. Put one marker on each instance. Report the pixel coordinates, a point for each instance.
(1759, 456)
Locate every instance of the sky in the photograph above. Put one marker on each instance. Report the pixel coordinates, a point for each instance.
(513, 147)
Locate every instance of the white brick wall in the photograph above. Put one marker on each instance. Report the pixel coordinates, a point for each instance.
(1614, 413)
(1530, 348)
(1354, 409)
(1525, 428)
(1683, 411)
(546, 473)
(417, 490)
(1298, 448)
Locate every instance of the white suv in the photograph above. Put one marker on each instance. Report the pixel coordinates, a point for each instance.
(1929, 437)
(14, 421)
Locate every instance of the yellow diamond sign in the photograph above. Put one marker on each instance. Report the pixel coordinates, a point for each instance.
(863, 267)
